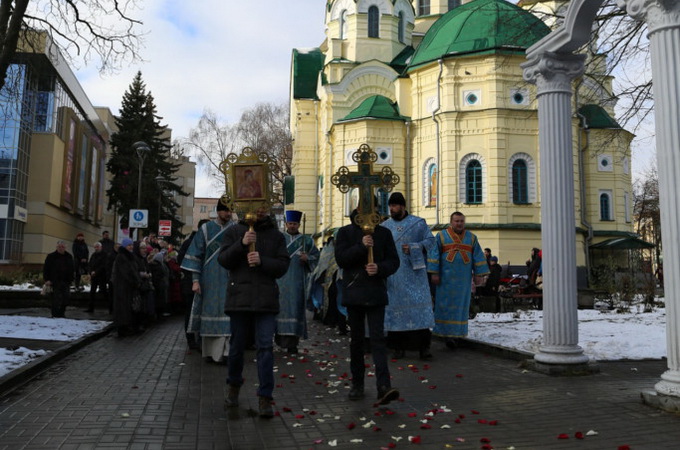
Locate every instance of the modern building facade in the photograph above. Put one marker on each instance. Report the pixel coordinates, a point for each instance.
(436, 89)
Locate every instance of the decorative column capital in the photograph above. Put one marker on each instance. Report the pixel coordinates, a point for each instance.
(658, 14)
(553, 72)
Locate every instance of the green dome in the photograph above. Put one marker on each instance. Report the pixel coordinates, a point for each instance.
(375, 107)
(481, 26)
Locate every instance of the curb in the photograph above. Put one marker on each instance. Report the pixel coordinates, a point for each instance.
(24, 374)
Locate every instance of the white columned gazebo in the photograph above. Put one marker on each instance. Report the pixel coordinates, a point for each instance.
(552, 64)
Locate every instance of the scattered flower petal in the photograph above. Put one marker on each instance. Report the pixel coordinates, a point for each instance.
(579, 435)
(592, 433)
(356, 441)
(563, 436)
(125, 415)
(445, 427)
(414, 439)
(333, 443)
(351, 426)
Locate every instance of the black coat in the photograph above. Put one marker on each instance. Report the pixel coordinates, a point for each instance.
(58, 268)
(80, 251)
(98, 263)
(254, 289)
(358, 288)
(125, 279)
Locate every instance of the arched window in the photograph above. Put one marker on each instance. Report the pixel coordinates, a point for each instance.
(424, 7)
(373, 22)
(432, 185)
(473, 182)
(383, 206)
(402, 26)
(453, 4)
(520, 184)
(605, 206)
(343, 24)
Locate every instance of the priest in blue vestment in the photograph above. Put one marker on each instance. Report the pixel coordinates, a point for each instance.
(291, 322)
(409, 316)
(209, 284)
(454, 259)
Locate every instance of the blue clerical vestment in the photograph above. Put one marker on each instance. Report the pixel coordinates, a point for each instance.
(291, 319)
(408, 290)
(207, 312)
(455, 258)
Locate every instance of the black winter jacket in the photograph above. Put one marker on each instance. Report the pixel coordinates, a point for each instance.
(254, 289)
(360, 289)
(58, 268)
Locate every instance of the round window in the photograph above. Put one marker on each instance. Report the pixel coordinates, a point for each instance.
(383, 155)
(471, 99)
(518, 98)
(604, 162)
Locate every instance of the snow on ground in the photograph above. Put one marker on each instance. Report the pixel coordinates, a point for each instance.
(40, 328)
(603, 335)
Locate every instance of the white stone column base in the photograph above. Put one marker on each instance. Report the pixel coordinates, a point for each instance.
(561, 354)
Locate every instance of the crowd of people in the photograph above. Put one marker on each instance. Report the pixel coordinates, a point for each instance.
(139, 281)
(248, 285)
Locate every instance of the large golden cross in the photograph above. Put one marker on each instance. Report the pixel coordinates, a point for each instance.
(365, 180)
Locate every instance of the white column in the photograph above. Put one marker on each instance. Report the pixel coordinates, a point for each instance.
(553, 73)
(663, 21)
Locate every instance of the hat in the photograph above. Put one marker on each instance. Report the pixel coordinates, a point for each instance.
(125, 242)
(397, 199)
(221, 206)
(80, 234)
(494, 259)
(293, 216)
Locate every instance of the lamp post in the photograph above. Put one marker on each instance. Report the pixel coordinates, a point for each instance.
(142, 149)
(160, 181)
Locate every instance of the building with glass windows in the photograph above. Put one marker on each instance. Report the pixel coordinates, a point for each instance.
(52, 160)
(436, 89)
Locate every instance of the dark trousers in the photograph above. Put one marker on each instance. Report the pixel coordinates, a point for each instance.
(61, 294)
(241, 326)
(410, 340)
(97, 283)
(375, 317)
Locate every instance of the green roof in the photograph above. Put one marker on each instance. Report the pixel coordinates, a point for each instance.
(306, 67)
(622, 243)
(597, 117)
(400, 62)
(375, 107)
(480, 26)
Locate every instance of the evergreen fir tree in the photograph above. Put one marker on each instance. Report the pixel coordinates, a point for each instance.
(137, 122)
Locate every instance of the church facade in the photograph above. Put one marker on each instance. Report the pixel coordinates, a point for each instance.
(435, 88)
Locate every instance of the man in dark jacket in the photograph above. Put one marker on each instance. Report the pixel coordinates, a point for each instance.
(364, 287)
(98, 277)
(253, 300)
(58, 272)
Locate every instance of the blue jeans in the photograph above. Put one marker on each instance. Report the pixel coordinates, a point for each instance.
(264, 325)
(375, 317)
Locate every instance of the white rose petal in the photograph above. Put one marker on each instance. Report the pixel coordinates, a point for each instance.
(592, 433)
(333, 443)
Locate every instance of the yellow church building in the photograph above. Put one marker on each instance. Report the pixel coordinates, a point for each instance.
(435, 88)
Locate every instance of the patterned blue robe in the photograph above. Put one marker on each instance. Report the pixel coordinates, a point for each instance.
(207, 312)
(291, 320)
(455, 259)
(410, 303)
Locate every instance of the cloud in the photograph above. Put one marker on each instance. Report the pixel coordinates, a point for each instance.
(223, 55)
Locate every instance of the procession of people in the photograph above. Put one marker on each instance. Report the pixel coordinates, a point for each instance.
(249, 285)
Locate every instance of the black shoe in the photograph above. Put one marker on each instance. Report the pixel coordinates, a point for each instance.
(398, 354)
(356, 393)
(386, 395)
(451, 344)
(293, 350)
(266, 409)
(425, 354)
(231, 399)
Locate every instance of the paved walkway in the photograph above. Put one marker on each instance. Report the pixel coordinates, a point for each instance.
(149, 392)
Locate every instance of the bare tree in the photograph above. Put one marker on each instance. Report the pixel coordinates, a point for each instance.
(101, 30)
(646, 208)
(210, 142)
(264, 128)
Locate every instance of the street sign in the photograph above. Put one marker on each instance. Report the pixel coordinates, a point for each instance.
(139, 218)
(165, 227)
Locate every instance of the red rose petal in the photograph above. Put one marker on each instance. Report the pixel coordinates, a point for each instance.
(459, 375)
(299, 416)
(482, 421)
(286, 409)
(493, 422)
(485, 440)
(487, 447)
(389, 412)
(462, 416)
(351, 426)
(474, 412)
(578, 435)
(392, 445)
(624, 447)
(457, 420)
(563, 436)
(425, 426)
(412, 414)
(415, 439)
(377, 429)
(432, 387)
